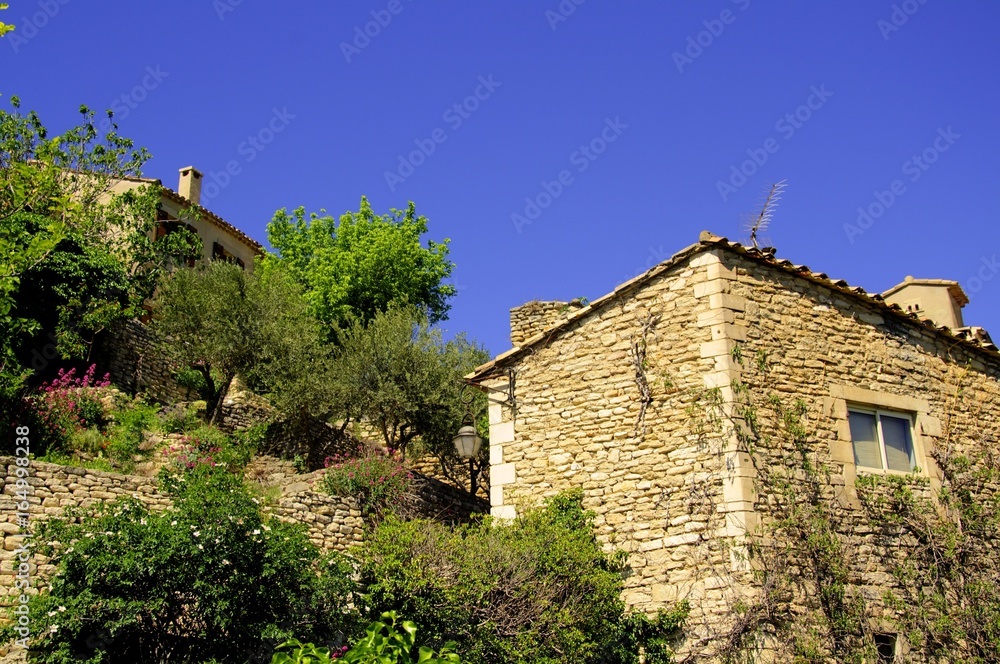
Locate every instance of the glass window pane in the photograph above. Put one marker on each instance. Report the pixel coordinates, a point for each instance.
(865, 437)
(898, 446)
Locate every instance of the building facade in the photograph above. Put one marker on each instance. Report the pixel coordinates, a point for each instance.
(220, 239)
(746, 430)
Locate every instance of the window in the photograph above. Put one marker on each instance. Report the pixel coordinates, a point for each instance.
(882, 440)
(885, 647)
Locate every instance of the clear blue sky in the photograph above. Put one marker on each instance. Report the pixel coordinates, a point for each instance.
(881, 94)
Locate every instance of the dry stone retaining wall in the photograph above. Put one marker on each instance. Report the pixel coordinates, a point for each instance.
(333, 522)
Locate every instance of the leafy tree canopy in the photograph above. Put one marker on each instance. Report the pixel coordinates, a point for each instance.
(364, 263)
(74, 254)
(5, 27)
(224, 322)
(399, 375)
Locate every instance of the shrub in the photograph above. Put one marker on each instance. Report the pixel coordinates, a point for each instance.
(209, 578)
(64, 406)
(376, 478)
(208, 446)
(539, 589)
(386, 641)
(179, 418)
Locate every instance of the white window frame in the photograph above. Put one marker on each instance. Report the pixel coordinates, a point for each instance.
(878, 412)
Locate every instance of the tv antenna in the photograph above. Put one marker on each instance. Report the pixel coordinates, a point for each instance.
(759, 223)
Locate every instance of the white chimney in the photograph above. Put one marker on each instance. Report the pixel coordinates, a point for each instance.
(937, 299)
(190, 184)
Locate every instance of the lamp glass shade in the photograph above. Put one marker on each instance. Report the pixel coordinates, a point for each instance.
(467, 442)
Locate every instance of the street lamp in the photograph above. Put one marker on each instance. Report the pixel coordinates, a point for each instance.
(467, 441)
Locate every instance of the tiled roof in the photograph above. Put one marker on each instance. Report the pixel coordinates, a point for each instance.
(972, 337)
(206, 214)
(215, 219)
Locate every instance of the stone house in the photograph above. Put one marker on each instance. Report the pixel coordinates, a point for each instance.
(220, 239)
(731, 419)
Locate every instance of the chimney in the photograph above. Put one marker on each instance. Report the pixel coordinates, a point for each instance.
(937, 299)
(534, 317)
(190, 184)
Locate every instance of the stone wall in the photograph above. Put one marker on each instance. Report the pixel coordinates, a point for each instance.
(533, 317)
(333, 522)
(654, 485)
(130, 356)
(685, 498)
(832, 351)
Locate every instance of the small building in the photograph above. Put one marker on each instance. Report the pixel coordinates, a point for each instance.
(220, 239)
(748, 431)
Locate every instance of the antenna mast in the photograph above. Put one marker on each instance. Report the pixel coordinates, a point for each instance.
(764, 218)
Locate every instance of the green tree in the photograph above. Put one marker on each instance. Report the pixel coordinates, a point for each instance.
(224, 322)
(5, 27)
(399, 375)
(68, 236)
(539, 589)
(365, 263)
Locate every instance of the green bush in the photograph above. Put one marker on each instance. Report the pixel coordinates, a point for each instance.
(376, 478)
(179, 418)
(386, 641)
(536, 590)
(208, 578)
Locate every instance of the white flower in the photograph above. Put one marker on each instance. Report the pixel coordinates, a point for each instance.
(51, 613)
(54, 629)
(201, 548)
(62, 608)
(197, 532)
(256, 532)
(225, 562)
(173, 523)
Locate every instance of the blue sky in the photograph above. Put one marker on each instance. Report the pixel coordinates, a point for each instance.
(626, 124)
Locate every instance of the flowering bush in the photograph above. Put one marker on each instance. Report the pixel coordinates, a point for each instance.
(66, 405)
(210, 579)
(376, 478)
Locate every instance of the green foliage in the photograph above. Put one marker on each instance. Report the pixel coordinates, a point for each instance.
(255, 325)
(538, 589)
(294, 651)
(363, 264)
(400, 376)
(208, 446)
(209, 578)
(946, 595)
(394, 641)
(375, 478)
(5, 27)
(61, 280)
